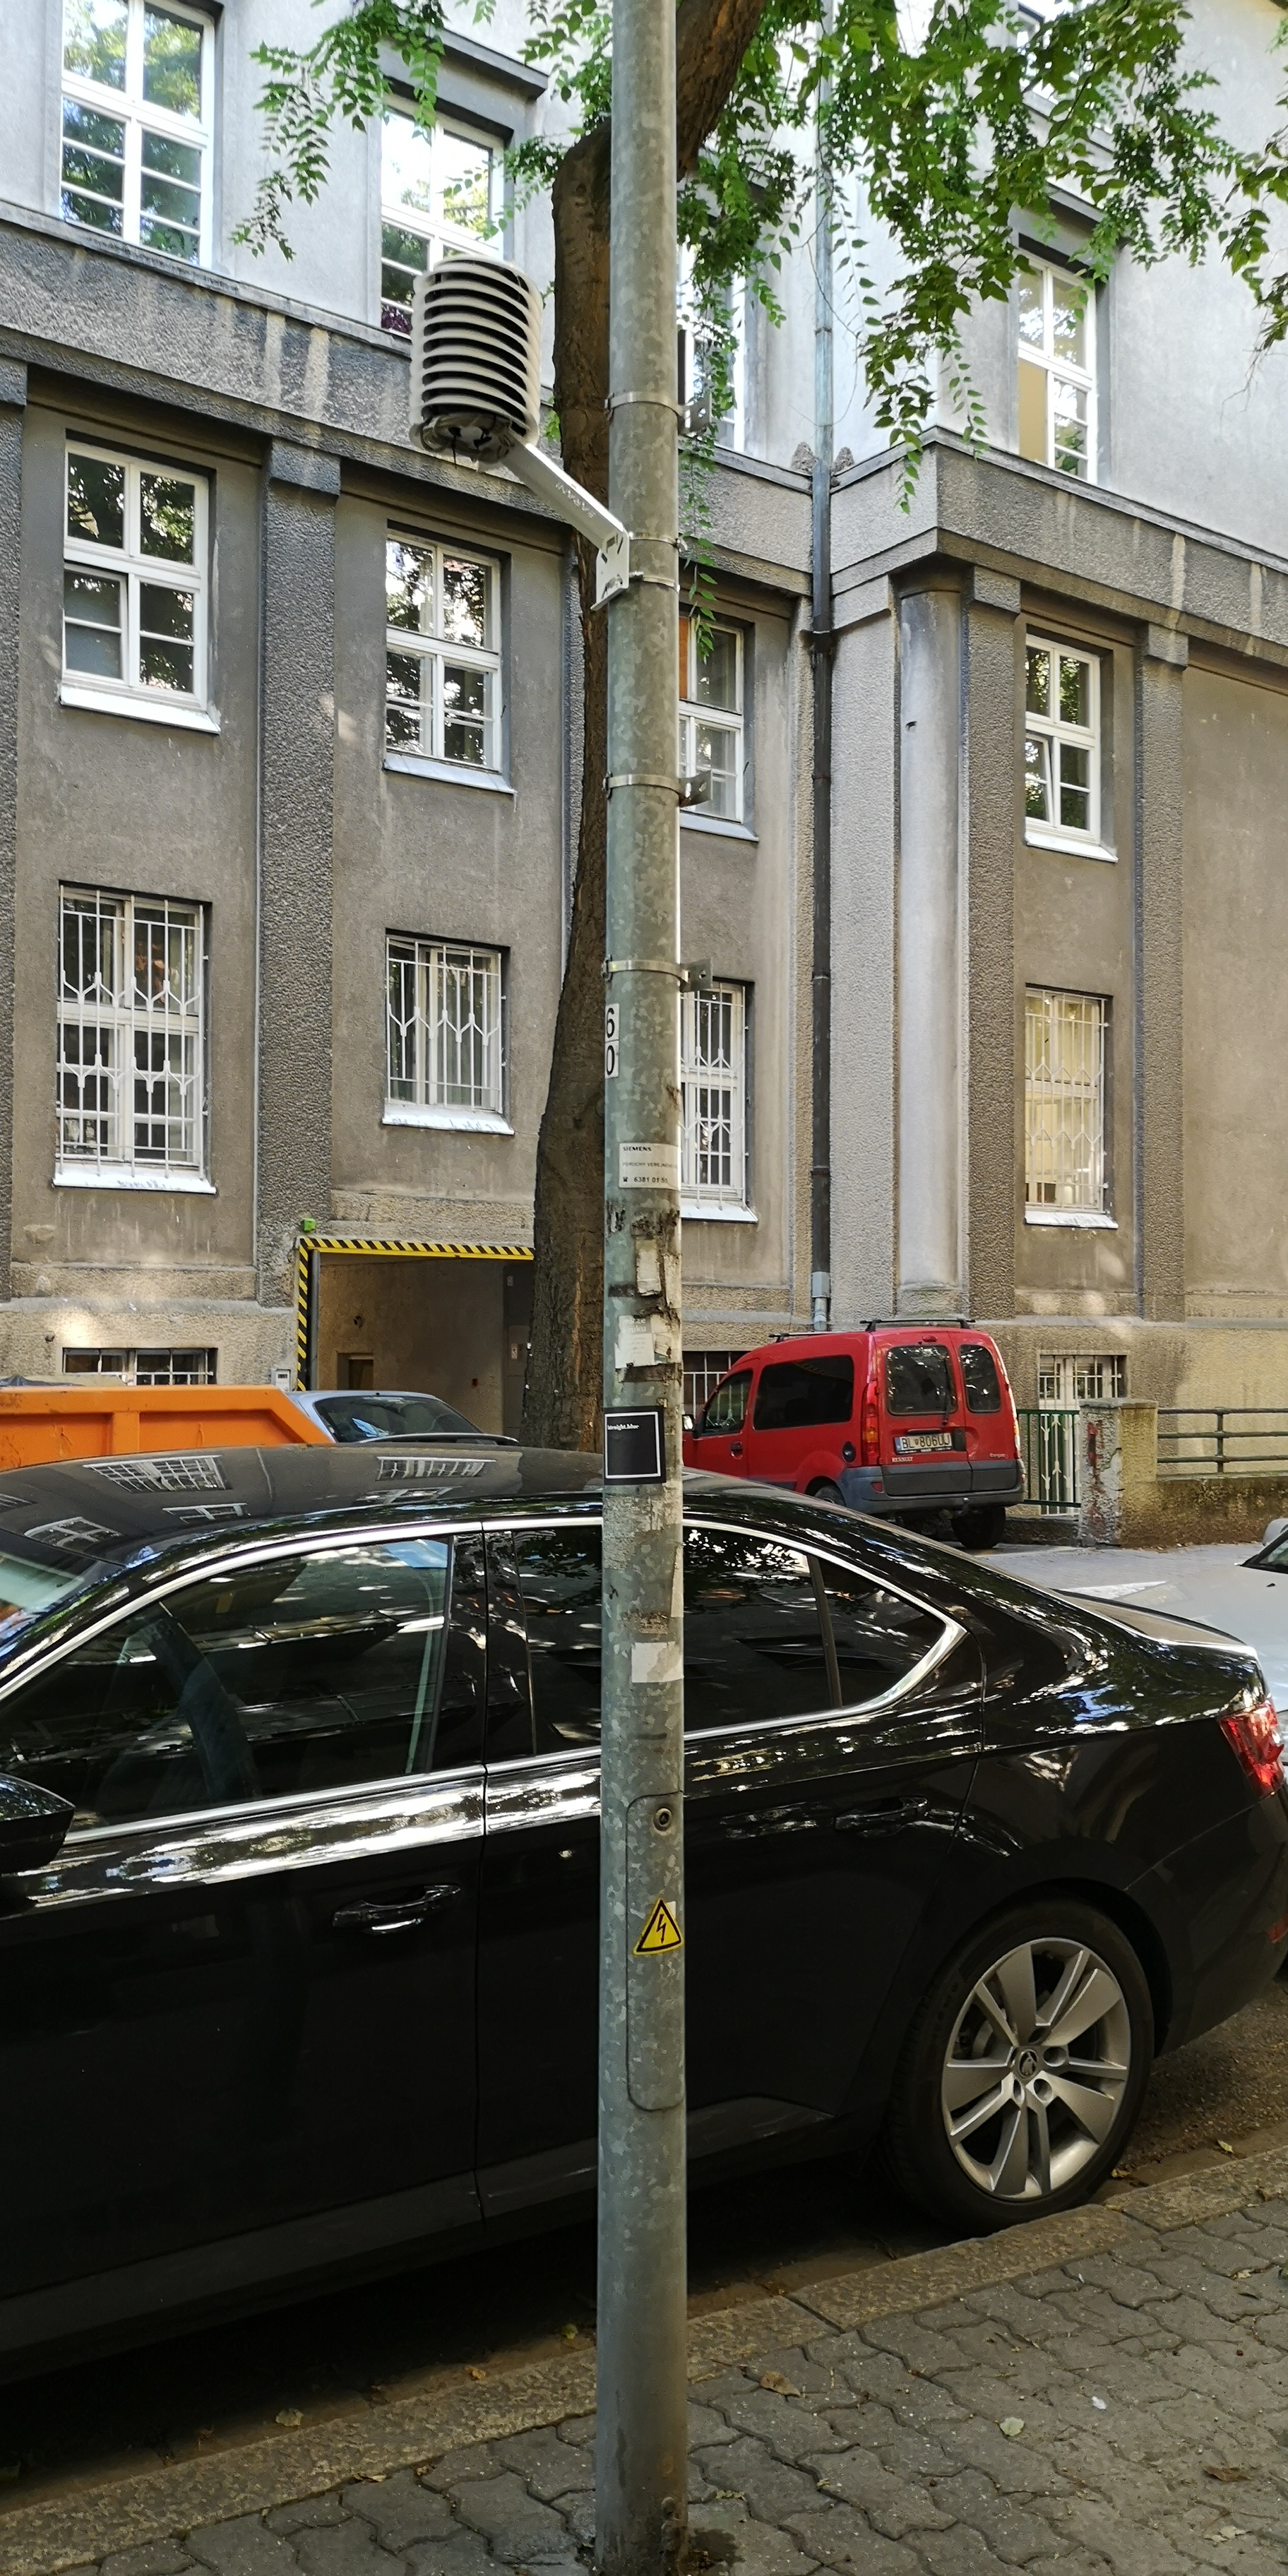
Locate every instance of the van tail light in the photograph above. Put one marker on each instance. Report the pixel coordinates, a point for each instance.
(1254, 1736)
(870, 1428)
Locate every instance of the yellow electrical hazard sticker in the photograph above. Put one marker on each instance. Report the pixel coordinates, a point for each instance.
(661, 1932)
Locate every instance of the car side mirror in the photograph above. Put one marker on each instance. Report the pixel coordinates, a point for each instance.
(1272, 1531)
(33, 1826)
(688, 1422)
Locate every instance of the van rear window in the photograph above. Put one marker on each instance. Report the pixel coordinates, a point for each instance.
(979, 1377)
(919, 1378)
(792, 1394)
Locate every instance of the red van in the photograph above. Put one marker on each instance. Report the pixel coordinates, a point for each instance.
(909, 1420)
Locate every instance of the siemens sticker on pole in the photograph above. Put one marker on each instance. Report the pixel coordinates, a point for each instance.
(648, 1167)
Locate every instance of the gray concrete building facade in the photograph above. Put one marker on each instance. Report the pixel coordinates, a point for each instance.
(288, 783)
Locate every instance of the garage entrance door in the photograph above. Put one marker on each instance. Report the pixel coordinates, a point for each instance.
(452, 1318)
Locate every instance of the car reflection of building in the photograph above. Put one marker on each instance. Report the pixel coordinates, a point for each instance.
(288, 784)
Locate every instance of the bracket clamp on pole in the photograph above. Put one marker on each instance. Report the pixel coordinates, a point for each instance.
(691, 979)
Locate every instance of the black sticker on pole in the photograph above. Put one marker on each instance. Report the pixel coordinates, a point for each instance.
(634, 1448)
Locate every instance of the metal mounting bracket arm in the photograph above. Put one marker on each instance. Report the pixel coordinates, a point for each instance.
(578, 509)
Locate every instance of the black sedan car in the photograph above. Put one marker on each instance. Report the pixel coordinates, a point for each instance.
(299, 1815)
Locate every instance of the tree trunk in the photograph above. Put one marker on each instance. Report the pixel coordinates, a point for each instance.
(562, 1399)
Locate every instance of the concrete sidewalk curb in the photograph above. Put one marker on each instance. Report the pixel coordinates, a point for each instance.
(86, 2521)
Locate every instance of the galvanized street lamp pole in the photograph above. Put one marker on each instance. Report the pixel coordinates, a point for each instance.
(640, 2477)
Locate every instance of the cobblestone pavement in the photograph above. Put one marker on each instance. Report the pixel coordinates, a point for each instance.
(1123, 2413)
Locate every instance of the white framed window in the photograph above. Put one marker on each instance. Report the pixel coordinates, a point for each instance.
(131, 1041)
(1057, 363)
(713, 1075)
(443, 659)
(134, 586)
(146, 1368)
(1062, 753)
(1066, 1378)
(440, 192)
(1064, 1108)
(136, 123)
(445, 1006)
(693, 350)
(711, 718)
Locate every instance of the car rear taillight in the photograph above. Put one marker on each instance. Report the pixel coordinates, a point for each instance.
(870, 1428)
(1255, 1737)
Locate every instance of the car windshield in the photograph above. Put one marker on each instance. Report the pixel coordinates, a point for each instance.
(395, 1417)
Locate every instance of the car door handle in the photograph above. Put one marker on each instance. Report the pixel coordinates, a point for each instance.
(883, 1815)
(402, 1917)
(735, 1448)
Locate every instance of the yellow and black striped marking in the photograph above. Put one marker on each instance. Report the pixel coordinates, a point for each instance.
(379, 1246)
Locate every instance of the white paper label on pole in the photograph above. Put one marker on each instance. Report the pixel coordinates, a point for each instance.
(648, 1167)
(610, 1041)
(658, 1660)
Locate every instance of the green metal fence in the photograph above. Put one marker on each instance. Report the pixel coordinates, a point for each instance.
(1049, 1448)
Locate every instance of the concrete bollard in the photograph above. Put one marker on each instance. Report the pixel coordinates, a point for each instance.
(1118, 1471)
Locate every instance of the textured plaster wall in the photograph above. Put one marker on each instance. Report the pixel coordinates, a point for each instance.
(428, 857)
(1235, 780)
(298, 723)
(110, 801)
(735, 908)
(1076, 931)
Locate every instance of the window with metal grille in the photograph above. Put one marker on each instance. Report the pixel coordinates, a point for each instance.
(1057, 363)
(446, 1018)
(713, 1052)
(136, 108)
(711, 717)
(703, 1370)
(1061, 746)
(443, 662)
(131, 1039)
(1080, 1377)
(1064, 1103)
(148, 1368)
(440, 191)
(134, 582)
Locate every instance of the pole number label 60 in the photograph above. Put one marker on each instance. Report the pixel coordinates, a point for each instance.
(610, 1040)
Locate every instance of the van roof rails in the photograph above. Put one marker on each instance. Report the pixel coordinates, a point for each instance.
(910, 1323)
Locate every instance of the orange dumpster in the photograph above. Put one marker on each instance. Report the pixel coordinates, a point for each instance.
(39, 1423)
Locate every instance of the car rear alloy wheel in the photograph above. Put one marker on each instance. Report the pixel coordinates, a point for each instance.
(1024, 2071)
(1036, 2069)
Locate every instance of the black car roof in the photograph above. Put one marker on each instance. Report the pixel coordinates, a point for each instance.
(110, 1511)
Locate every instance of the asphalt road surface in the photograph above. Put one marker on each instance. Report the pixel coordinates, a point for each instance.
(483, 2311)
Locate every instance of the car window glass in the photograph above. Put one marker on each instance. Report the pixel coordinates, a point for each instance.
(559, 1578)
(879, 1637)
(919, 1378)
(792, 1394)
(727, 1405)
(392, 1417)
(979, 1377)
(753, 1643)
(297, 1673)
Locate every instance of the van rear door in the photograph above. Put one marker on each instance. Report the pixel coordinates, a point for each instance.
(990, 1429)
(923, 1424)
